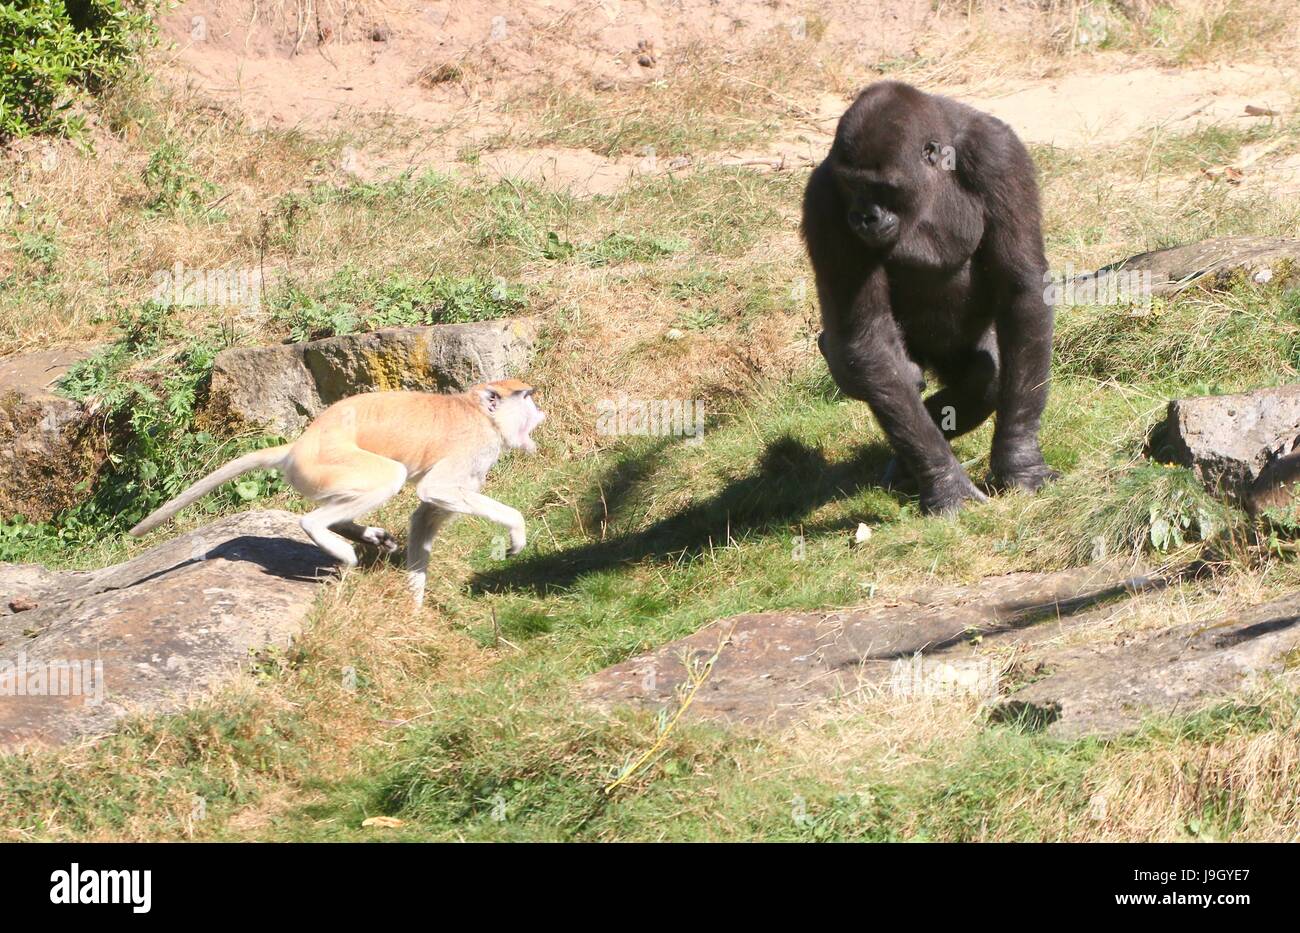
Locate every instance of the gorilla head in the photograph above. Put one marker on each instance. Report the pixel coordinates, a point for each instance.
(894, 162)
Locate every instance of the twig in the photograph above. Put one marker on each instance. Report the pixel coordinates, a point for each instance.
(667, 730)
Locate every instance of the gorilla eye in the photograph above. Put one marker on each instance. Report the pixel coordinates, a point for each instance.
(930, 153)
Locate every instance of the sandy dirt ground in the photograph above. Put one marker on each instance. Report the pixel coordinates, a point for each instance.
(448, 71)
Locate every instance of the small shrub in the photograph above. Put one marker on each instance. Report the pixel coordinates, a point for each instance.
(352, 302)
(52, 50)
(175, 189)
(149, 386)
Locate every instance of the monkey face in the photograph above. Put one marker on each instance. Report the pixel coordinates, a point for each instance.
(530, 416)
(513, 409)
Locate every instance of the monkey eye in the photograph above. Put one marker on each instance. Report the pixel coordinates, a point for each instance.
(930, 152)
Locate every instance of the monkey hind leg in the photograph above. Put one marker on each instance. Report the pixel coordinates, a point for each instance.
(353, 484)
(366, 534)
(426, 521)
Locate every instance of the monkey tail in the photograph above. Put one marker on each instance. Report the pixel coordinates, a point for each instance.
(269, 458)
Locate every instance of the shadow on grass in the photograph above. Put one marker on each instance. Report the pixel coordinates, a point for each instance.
(790, 481)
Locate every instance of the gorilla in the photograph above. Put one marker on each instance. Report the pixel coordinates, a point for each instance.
(923, 228)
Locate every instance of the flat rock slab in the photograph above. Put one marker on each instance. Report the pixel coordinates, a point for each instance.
(282, 388)
(1228, 440)
(1106, 689)
(86, 648)
(771, 669)
(774, 665)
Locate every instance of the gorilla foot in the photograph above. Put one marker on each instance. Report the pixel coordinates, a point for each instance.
(1030, 478)
(896, 476)
(948, 496)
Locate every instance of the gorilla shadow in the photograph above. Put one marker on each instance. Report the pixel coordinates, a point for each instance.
(790, 480)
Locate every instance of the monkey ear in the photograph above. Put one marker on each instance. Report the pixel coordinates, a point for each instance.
(490, 398)
(930, 152)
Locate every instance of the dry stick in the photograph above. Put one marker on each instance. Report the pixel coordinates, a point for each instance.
(793, 105)
(686, 703)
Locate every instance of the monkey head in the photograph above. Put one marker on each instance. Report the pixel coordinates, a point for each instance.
(892, 160)
(510, 405)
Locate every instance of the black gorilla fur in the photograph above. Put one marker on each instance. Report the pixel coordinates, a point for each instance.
(924, 232)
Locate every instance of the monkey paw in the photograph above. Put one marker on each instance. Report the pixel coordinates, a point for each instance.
(380, 539)
(517, 541)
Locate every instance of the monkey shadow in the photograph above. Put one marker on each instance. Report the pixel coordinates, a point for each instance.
(278, 557)
(790, 481)
(297, 561)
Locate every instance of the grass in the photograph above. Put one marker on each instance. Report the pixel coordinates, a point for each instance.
(461, 721)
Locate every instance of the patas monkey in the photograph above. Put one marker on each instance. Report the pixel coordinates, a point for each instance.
(360, 451)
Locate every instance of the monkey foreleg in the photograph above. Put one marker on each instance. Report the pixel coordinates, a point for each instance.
(466, 501)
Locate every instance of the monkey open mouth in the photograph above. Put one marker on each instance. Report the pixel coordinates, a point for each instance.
(533, 416)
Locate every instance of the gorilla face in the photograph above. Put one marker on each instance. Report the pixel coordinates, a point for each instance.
(873, 223)
(886, 162)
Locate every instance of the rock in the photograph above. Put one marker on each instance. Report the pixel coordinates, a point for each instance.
(1105, 690)
(774, 665)
(1275, 491)
(1000, 640)
(282, 388)
(1228, 439)
(49, 445)
(145, 635)
(1214, 263)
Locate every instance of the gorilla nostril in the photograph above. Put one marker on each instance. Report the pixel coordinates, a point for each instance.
(857, 219)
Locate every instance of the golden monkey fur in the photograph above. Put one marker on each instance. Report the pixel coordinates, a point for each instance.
(362, 450)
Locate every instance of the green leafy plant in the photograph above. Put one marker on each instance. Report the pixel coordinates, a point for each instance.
(353, 301)
(39, 249)
(149, 386)
(175, 189)
(55, 49)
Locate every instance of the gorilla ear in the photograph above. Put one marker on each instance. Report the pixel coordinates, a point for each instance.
(930, 152)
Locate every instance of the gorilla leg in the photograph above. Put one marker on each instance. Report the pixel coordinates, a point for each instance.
(870, 362)
(970, 389)
(969, 395)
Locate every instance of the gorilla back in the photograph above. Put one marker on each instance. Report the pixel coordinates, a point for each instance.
(924, 232)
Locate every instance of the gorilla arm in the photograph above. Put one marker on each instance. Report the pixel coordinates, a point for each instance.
(868, 361)
(992, 160)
